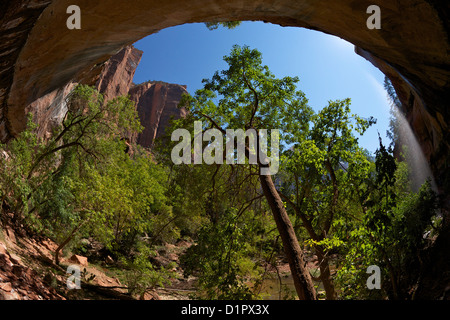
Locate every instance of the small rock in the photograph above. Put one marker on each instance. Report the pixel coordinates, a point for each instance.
(172, 257)
(22, 292)
(109, 260)
(13, 295)
(6, 286)
(49, 278)
(3, 249)
(184, 244)
(17, 270)
(5, 261)
(15, 259)
(86, 243)
(10, 234)
(82, 261)
(170, 246)
(152, 295)
(52, 246)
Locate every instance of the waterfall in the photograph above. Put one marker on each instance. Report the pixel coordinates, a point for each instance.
(418, 165)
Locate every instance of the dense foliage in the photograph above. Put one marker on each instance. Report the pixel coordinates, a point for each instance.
(82, 182)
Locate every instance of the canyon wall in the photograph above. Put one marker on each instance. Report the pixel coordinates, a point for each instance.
(156, 101)
(17, 18)
(118, 72)
(430, 126)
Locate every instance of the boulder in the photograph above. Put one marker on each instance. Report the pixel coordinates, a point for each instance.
(150, 295)
(12, 295)
(6, 286)
(80, 260)
(2, 249)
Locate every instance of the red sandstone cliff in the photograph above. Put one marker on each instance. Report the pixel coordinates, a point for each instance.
(156, 102)
(118, 72)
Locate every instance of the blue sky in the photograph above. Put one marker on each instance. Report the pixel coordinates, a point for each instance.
(327, 66)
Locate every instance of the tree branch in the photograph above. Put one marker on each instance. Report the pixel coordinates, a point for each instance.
(250, 202)
(255, 95)
(213, 123)
(306, 222)
(332, 209)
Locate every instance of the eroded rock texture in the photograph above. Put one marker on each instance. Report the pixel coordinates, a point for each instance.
(157, 102)
(117, 75)
(17, 18)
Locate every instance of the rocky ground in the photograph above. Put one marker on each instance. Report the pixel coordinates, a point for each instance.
(27, 272)
(21, 274)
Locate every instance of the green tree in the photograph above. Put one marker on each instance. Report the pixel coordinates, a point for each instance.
(226, 24)
(87, 128)
(247, 95)
(323, 171)
(82, 180)
(397, 225)
(89, 137)
(222, 257)
(221, 207)
(16, 161)
(142, 275)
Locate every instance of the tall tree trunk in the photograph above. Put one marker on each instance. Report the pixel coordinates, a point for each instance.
(300, 274)
(324, 263)
(325, 275)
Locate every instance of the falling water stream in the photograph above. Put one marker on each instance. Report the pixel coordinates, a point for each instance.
(419, 169)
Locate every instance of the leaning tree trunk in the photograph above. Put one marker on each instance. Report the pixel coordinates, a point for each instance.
(325, 274)
(300, 274)
(68, 239)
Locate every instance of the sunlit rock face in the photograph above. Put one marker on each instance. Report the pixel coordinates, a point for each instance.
(157, 103)
(50, 110)
(118, 72)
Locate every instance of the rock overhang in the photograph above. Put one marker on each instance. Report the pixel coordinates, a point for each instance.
(411, 47)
